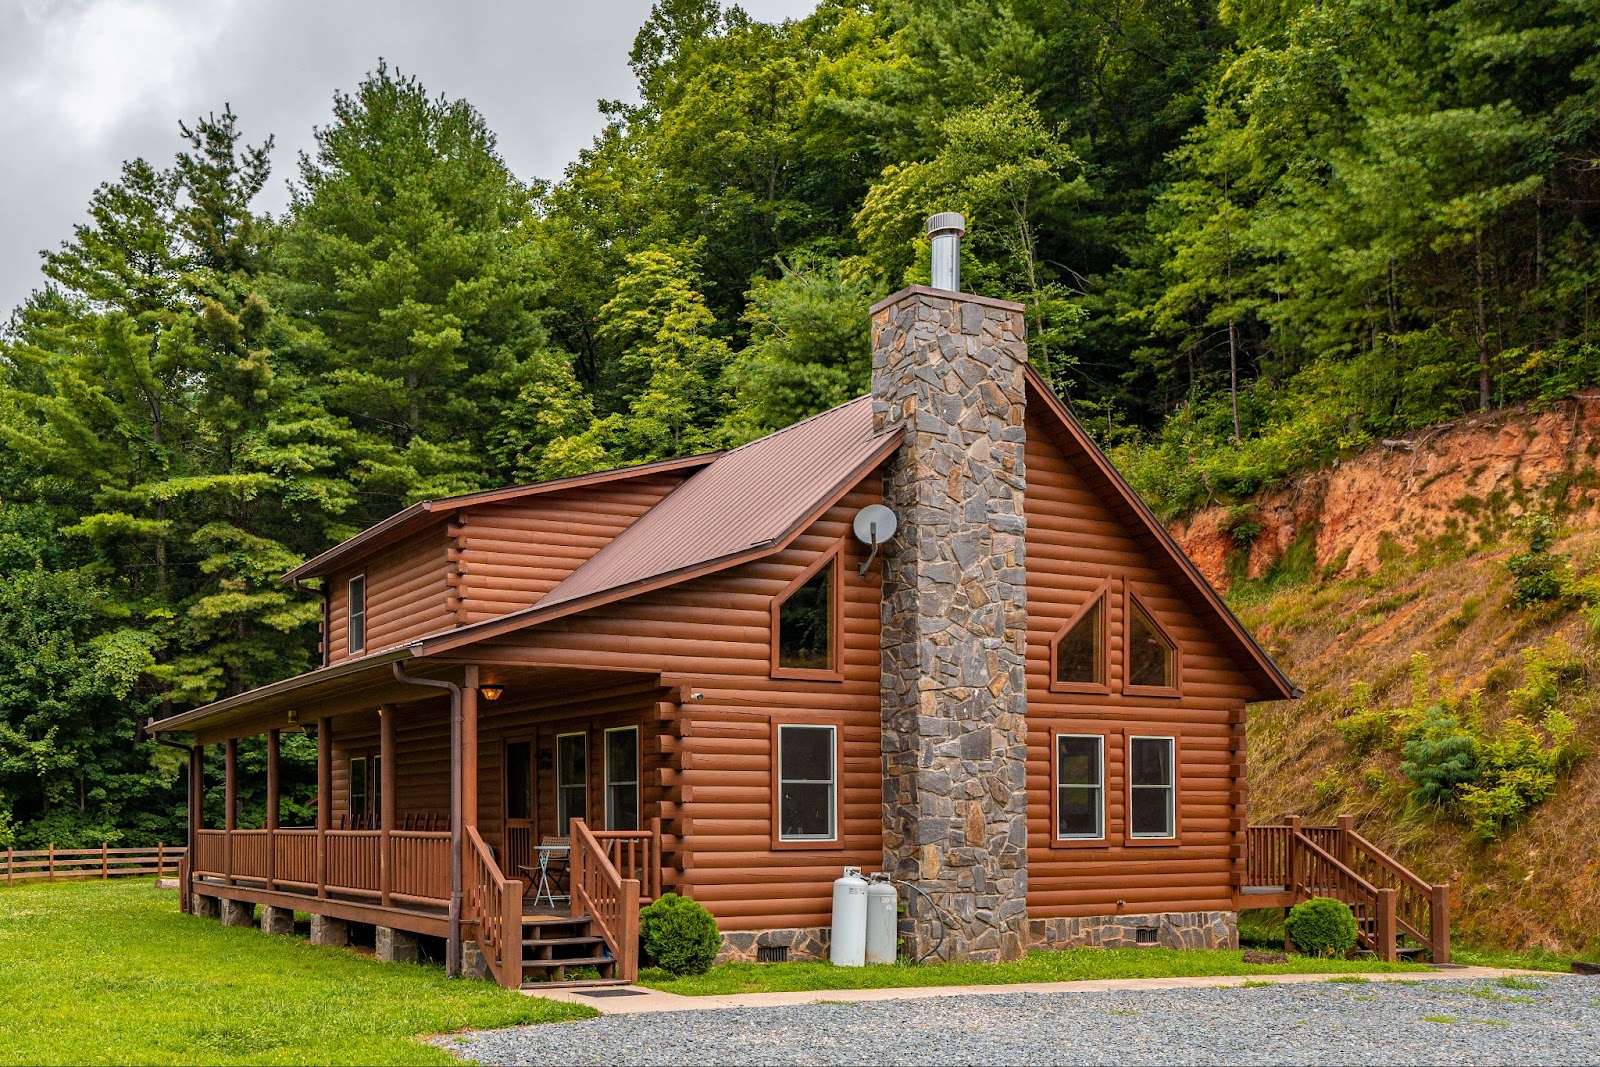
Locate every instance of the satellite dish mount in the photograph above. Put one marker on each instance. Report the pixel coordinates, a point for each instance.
(874, 525)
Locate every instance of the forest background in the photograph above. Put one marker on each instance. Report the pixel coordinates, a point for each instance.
(1252, 236)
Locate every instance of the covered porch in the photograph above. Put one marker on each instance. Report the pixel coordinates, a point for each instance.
(434, 794)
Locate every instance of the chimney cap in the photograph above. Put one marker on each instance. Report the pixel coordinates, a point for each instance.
(944, 222)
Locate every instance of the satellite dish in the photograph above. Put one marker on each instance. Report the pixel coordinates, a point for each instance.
(875, 524)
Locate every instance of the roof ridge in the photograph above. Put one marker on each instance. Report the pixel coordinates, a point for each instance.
(794, 425)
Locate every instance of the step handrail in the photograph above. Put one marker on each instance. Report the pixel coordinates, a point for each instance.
(493, 903)
(1380, 900)
(609, 901)
(1416, 897)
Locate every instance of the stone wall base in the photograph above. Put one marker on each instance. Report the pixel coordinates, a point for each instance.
(804, 943)
(1173, 929)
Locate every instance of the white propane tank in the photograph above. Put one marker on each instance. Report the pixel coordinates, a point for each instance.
(883, 919)
(847, 944)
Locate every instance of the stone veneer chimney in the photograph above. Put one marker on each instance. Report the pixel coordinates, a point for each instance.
(947, 368)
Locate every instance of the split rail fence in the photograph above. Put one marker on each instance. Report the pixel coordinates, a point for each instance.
(103, 862)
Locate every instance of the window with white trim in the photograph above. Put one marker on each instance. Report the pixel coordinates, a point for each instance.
(622, 778)
(358, 614)
(572, 779)
(1152, 786)
(1080, 787)
(807, 783)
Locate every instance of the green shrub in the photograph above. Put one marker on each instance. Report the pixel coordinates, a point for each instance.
(1321, 927)
(1441, 757)
(1538, 575)
(1518, 770)
(680, 935)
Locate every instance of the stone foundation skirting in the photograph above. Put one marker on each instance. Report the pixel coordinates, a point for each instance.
(1173, 929)
(804, 944)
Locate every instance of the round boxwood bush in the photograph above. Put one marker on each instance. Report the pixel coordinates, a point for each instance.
(679, 934)
(1321, 926)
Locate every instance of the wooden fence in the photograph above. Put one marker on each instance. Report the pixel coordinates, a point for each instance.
(103, 862)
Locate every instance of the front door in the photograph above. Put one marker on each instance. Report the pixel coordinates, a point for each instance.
(519, 821)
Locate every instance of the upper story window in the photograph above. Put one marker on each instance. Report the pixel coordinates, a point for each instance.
(358, 614)
(1080, 650)
(807, 783)
(1152, 657)
(805, 638)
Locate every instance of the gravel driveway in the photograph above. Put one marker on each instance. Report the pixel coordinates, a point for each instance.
(1438, 1022)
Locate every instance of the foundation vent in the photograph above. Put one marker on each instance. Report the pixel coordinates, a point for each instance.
(772, 953)
(1145, 935)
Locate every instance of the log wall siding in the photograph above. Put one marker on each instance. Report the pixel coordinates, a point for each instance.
(422, 755)
(510, 554)
(406, 590)
(711, 636)
(486, 561)
(1075, 541)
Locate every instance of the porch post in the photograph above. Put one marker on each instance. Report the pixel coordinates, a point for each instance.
(324, 800)
(469, 747)
(273, 786)
(197, 809)
(386, 777)
(231, 799)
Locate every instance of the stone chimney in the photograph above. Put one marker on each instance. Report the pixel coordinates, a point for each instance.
(947, 368)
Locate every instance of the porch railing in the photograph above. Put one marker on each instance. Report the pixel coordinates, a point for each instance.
(1335, 861)
(635, 854)
(494, 903)
(351, 865)
(605, 897)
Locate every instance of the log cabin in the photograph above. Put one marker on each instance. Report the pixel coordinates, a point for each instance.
(540, 707)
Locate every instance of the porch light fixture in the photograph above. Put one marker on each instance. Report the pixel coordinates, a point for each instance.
(294, 726)
(491, 693)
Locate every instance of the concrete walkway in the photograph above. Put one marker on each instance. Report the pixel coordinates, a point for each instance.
(632, 1000)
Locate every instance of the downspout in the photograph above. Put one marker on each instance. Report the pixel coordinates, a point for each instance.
(452, 952)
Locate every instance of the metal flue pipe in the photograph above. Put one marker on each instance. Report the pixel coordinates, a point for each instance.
(945, 231)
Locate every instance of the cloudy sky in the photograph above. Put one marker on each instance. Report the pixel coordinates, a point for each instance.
(86, 84)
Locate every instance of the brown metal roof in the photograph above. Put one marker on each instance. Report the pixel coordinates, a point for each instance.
(747, 504)
(426, 512)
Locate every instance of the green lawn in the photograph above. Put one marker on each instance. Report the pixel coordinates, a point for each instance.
(111, 972)
(1072, 965)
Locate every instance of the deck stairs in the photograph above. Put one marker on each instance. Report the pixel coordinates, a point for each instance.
(564, 951)
(1398, 915)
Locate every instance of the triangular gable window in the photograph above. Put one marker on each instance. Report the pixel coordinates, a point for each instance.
(805, 624)
(1152, 657)
(1080, 649)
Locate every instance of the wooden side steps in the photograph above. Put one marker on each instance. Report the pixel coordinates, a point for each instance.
(553, 947)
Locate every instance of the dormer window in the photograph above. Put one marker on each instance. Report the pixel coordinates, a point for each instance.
(358, 614)
(1152, 655)
(805, 624)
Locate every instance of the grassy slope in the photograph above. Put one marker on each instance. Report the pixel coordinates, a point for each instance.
(1540, 886)
(1074, 965)
(111, 972)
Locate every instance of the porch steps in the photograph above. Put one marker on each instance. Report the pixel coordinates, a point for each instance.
(554, 947)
